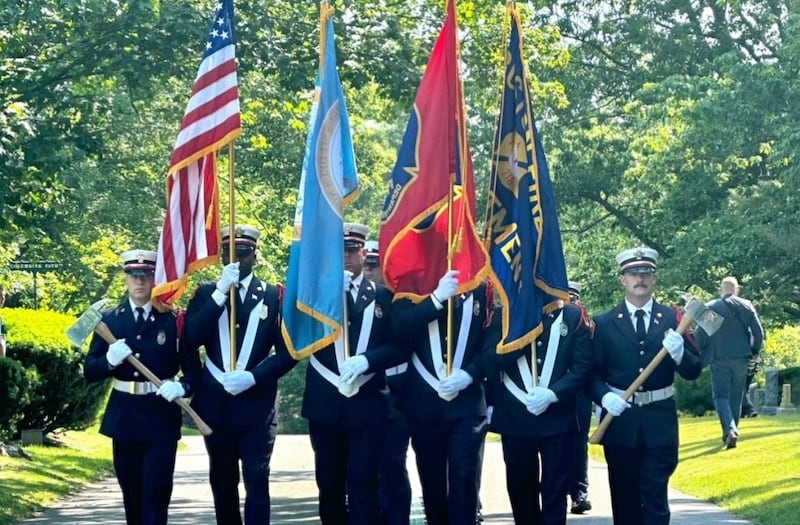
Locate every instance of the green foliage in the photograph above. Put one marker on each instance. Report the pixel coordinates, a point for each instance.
(782, 348)
(59, 396)
(694, 397)
(13, 395)
(670, 124)
(790, 376)
(290, 399)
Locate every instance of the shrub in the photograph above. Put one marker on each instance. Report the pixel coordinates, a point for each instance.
(782, 348)
(694, 397)
(290, 399)
(59, 395)
(13, 395)
(790, 376)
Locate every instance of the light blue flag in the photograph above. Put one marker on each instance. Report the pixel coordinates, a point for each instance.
(313, 307)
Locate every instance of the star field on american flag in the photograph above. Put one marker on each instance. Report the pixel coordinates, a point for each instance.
(221, 33)
(190, 236)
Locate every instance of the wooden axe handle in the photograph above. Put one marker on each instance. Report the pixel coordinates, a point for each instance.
(105, 333)
(600, 431)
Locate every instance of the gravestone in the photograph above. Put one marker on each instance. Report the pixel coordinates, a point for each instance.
(771, 392)
(786, 406)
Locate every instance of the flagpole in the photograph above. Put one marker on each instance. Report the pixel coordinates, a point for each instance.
(487, 239)
(234, 290)
(450, 243)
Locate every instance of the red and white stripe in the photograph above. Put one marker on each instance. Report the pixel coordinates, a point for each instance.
(212, 117)
(190, 237)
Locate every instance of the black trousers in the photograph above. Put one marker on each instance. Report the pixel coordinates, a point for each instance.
(579, 479)
(144, 471)
(535, 500)
(448, 460)
(346, 461)
(639, 479)
(394, 485)
(252, 445)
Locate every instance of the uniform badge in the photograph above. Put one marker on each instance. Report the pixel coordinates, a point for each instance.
(563, 330)
(161, 338)
(378, 311)
(264, 312)
(476, 308)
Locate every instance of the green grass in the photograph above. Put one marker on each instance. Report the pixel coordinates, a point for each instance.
(27, 486)
(759, 480)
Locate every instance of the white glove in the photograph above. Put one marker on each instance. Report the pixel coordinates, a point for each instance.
(539, 399)
(117, 352)
(229, 277)
(352, 368)
(171, 390)
(348, 277)
(614, 403)
(447, 287)
(237, 381)
(457, 381)
(673, 342)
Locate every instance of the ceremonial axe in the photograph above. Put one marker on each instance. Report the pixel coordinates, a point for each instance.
(92, 321)
(695, 312)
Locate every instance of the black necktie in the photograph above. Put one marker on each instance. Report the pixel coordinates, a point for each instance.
(140, 320)
(350, 300)
(640, 330)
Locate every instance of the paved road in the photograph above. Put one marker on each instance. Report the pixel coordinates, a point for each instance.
(294, 493)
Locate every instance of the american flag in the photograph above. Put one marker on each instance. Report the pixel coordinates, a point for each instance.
(190, 237)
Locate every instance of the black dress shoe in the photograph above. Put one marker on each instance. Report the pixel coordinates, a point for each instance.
(580, 505)
(731, 439)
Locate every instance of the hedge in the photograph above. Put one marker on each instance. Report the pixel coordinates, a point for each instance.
(57, 394)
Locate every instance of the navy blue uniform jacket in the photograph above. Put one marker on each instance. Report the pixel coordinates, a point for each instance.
(618, 361)
(211, 401)
(322, 401)
(139, 417)
(571, 372)
(410, 325)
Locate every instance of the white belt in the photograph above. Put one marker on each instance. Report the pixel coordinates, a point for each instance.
(135, 387)
(397, 370)
(650, 396)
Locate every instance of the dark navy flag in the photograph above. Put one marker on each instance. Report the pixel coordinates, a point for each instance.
(527, 259)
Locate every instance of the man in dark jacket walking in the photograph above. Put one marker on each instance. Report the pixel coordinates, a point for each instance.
(728, 352)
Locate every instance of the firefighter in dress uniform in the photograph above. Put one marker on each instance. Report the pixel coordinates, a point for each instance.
(345, 399)
(641, 444)
(141, 420)
(239, 400)
(446, 413)
(537, 423)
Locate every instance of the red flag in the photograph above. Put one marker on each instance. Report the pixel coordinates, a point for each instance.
(433, 161)
(190, 237)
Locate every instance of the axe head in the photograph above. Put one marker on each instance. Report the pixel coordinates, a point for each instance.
(86, 323)
(703, 316)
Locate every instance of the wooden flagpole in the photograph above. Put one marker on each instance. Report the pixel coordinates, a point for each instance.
(234, 290)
